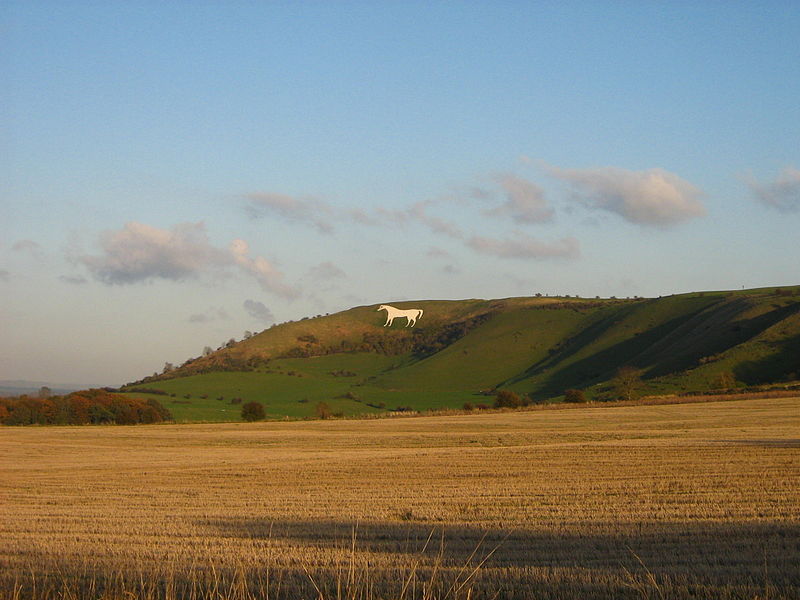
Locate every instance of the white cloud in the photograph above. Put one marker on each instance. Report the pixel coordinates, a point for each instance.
(651, 197)
(259, 311)
(524, 246)
(140, 252)
(525, 201)
(782, 194)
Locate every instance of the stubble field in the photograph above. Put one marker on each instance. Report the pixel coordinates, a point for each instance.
(673, 501)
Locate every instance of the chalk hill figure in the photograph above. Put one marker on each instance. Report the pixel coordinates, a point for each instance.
(392, 313)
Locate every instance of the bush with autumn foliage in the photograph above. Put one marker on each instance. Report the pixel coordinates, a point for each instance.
(78, 408)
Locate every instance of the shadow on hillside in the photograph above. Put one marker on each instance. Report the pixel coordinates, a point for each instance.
(673, 346)
(783, 364)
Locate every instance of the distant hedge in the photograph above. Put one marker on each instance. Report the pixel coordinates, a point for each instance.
(80, 408)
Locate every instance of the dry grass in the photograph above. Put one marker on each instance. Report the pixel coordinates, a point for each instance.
(671, 501)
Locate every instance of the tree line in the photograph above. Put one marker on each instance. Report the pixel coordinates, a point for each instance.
(96, 406)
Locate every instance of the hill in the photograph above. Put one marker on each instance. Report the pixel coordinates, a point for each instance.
(464, 351)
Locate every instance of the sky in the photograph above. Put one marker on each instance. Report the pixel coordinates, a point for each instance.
(173, 174)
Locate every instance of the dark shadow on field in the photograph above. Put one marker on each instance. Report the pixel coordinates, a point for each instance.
(312, 559)
(709, 553)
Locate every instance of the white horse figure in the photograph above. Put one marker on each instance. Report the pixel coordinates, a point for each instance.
(392, 313)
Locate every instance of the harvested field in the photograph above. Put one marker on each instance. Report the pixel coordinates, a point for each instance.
(671, 501)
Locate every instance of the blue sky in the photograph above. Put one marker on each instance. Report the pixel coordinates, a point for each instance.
(174, 174)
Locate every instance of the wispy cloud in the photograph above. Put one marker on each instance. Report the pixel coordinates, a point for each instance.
(525, 201)
(28, 247)
(73, 279)
(259, 311)
(783, 193)
(212, 314)
(270, 278)
(524, 247)
(304, 210)
(437, 253)
(652, 197)
(326, 271)
(317, 213)
(418, 213)
(140, 252)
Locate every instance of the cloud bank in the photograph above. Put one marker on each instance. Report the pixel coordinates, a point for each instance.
(782, 194)
(653, 197)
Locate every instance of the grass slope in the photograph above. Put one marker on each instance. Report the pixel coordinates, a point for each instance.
(536, 346)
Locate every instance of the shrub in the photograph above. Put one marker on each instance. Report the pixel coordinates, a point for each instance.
(253, 411)
(468, 406)
(508, 399)
(573, 395)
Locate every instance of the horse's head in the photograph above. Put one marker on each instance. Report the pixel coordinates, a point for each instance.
(382, 307)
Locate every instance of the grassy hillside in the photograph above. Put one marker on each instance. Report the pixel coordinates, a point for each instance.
(462, 351)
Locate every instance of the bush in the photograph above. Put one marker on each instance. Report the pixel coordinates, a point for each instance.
(468, 406)
(573, 395)
(253, 411)
(508, 399)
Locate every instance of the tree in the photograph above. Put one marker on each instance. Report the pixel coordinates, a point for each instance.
(45, 392)
(725, 380)
(323, 411)
(207, 350)
(627, 383)
(253, 411)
